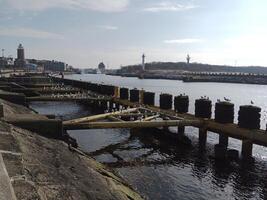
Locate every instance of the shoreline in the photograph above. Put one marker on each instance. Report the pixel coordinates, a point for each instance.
(41, 167)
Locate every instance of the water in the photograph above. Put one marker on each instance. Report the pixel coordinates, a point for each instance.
(162, 168)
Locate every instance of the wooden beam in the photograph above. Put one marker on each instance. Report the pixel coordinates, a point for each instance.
(55, 98)
(166, 113)
(132, 124)
(114, 119)
(151, 118)
(130, 114)
(98, 117)
(232, 130)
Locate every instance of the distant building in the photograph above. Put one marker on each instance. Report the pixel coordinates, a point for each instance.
(90, 71)
(31, 67)
(102, 67)
(3, 62)
(54, 66)
(20, 62)
(6, 62)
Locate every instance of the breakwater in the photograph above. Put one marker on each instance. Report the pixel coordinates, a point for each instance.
(187, 77)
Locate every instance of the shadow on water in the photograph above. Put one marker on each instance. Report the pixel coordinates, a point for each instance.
(163, 167)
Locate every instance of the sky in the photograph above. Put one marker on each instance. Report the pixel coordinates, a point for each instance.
(84, 33)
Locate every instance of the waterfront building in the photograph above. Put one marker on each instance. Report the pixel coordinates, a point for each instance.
(54, 66)
(3, 62)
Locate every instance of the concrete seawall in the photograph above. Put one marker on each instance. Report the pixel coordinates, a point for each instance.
(38, 166)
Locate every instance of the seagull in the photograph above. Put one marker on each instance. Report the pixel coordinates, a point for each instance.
(251, 102)
(226, 99)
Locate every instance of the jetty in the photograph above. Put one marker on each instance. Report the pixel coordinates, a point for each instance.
(133, 108)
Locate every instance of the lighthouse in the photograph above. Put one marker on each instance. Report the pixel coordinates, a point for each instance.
(143, 62)
(20, 61)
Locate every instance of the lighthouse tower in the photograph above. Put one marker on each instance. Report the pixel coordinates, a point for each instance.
(20, 61)
(143, 62)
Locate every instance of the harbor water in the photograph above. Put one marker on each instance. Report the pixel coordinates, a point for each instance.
(160, 167)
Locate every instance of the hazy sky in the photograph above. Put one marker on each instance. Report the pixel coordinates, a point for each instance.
(86, 32)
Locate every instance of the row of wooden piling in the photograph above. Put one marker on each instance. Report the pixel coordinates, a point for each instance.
(248, 115)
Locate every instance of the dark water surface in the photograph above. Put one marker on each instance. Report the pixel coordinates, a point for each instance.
(160, 167)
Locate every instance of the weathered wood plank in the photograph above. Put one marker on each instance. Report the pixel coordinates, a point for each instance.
(98, 117)
(132, 124)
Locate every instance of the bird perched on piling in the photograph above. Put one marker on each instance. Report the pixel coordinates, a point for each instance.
(226, 99)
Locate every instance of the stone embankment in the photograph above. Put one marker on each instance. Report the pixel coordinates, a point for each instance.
(34, 167)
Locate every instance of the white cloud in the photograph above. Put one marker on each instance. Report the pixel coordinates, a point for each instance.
(108, 27)
(183, 41)
(168, 6)
(28, 32)
(247, 49)
(40, 5)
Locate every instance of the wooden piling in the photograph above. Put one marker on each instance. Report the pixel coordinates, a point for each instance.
(232, 154)
(181, 131)
(247, 147)
(202, 137)
(181, 104)
(249, 117)
(103, 105)
(219, 151)
(149, 98)
(141, 95)
(134, 95)
(117, 106)
(224, 113)
(203, 108)
(116, 92)
(124, 93)
(165, 101)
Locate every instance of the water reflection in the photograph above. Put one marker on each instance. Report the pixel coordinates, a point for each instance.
(162, 167)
